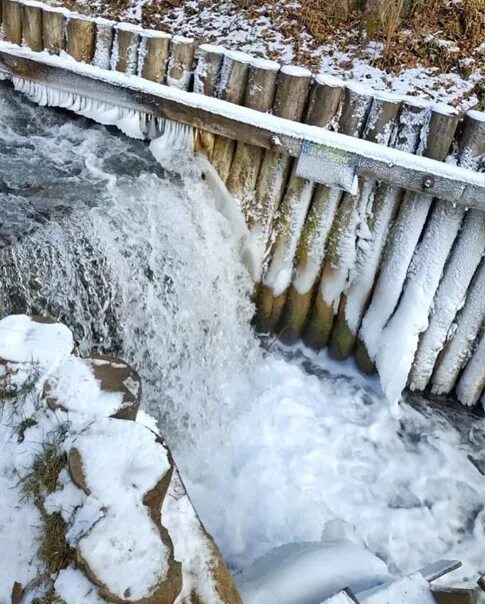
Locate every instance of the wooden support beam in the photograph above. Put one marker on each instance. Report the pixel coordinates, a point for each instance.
(12, 21)
(81, 39)
(32, 26)
(153, 56)
(420, 174)
(125, 48)
(53, 27)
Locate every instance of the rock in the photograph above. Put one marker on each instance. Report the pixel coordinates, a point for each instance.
(101, 386)
(128, 553)
(116, 375)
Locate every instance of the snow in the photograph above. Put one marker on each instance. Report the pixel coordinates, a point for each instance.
(271, 448)
(472, 382)
(450, 297)
(24, 340)
(321, 217)
(123, 549)
(467, 328)
(74, 588)
(192, 547)
(308, 573)
(410, 318)
(296, 71)
(408, 590)
(74, 387)
(389, 156)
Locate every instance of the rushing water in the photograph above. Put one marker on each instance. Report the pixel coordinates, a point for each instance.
(272, 444)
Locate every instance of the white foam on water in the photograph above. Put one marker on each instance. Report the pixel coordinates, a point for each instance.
(270, 451)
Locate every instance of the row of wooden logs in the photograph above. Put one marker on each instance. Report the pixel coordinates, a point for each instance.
(334, 268)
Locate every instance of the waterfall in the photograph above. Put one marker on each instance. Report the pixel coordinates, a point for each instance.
(273, 444)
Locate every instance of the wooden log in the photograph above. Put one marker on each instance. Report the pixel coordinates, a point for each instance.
(53, 27)
(436, 138)
(449, 298)
(12, 21)
(411, 314)
(32, 27)
(206, 77)
(372, 236)
(344, 270)
(465, 333)
(105, 33)
(290, 102)
(448, 182)
(81, 38)
(355, 112)
(243, 174)
(454, 595)
(232, 88)
(180, 63)
(311, 247)
(472, 381)
(153, 55)
(322, 109)
(125, 48)
(381, 215)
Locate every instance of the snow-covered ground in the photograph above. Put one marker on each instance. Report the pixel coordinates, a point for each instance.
(273, 32)
(274, 446)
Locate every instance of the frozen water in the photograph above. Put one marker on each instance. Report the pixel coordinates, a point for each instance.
(272, 445)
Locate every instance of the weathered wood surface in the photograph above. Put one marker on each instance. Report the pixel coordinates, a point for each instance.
(12, 21)
(154, 53)
(32, 27)
(81, 39)
(53, 30)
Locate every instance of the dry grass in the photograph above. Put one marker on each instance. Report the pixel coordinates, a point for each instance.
(45, 471)
(50, 598)
(54, 551)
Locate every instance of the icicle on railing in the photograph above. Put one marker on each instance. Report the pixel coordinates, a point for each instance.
(135, 124)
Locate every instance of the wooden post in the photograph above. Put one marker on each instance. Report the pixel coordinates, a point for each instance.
(81, 38)
(470, 321)
(53, 27)
(153, 55)
(436, 138)
(206, 77)
(472, 381)
(232, 88)
(311, 247)
(12, 21)
(247, 159)
(125, 48)
(459, 349)
(322, 108)
(180, 63)
(290, 102)
(32, 27)
(460, 268)
(380, 128)
(104, 43)
(355, 112)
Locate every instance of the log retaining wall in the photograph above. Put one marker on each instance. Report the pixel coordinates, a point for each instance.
(335, 269)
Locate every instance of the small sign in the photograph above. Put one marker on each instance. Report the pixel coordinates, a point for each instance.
(329, 166)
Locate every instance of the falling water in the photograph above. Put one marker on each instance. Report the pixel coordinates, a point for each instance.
(272, 445)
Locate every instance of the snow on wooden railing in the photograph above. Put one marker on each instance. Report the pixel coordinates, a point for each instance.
(385, 270)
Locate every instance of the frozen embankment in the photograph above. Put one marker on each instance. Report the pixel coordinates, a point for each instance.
(96, 508)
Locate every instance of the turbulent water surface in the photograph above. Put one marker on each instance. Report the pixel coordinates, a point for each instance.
(273, 444)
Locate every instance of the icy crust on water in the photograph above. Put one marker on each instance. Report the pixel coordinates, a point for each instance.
(147, 267)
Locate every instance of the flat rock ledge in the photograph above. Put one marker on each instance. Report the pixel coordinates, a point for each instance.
(136, 536)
